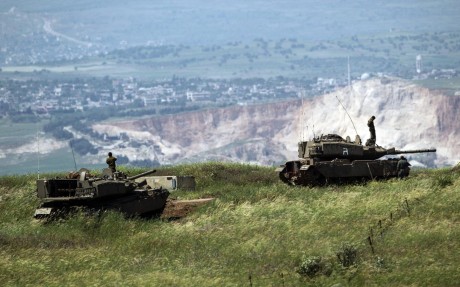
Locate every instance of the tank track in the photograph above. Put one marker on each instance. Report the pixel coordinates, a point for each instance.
(311, 177)
(308, 177)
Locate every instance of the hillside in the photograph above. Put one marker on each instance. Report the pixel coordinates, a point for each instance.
(196, 38)
(258, 232)
(408, 117)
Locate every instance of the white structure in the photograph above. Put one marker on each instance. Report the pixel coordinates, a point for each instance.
(418, 64)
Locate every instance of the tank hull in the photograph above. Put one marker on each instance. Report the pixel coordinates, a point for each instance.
(62, 195)
(301, 173)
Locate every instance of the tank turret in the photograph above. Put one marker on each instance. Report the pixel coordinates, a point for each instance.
(333, 146)
(332, 158)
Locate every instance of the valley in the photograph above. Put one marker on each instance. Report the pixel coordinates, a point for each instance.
(408, 117)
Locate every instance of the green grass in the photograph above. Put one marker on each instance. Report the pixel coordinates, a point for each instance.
(257, 231)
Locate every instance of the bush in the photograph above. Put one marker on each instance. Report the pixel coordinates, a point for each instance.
(62, 134)
(347, 254)
(83, 146)
(442, 181)
(313, 266)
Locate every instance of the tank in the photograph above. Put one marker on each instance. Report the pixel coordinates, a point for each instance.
(114, 191)
(330, 158)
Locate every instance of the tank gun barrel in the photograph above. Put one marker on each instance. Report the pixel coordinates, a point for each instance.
(413, 151)
(141, 174)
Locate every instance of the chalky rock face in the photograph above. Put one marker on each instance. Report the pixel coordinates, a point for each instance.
(407, 116)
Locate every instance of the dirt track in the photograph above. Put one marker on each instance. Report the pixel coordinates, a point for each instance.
(176, 209)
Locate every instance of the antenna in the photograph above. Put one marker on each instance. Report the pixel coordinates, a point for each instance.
(38, 153)
(154, 155)
(302, 133)
(349, 78)
(350, 88)
(347, 114)
(306, 131)
(73, 155)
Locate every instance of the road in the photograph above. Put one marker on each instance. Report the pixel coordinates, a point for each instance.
(49, 29)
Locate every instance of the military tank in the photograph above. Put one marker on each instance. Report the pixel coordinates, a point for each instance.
(113, 190)
(330, 158)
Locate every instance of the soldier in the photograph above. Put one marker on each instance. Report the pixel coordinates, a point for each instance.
(403, 167)
(111, 162)
(373, 139)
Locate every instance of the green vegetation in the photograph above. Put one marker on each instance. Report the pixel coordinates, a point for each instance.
(26, 160)
(12, 133)
(448, 86)
(393, 53)
(257, 232)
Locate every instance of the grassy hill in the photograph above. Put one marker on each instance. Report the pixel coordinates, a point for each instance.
(258, 232)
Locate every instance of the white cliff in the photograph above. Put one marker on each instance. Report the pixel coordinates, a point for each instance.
(407, 117)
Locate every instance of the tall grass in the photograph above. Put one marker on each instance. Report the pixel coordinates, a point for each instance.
(258, 231)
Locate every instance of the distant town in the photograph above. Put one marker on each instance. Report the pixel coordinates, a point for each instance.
(39, 98)
(26, 100)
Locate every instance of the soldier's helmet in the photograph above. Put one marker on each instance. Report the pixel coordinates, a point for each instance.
(110, 154)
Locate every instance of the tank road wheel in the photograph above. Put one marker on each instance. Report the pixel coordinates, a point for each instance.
(289, 173)
(284, 176)
(292, 174)
(290, 178)
(311, 177)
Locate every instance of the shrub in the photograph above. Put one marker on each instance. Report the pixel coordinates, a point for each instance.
(83, 146)
(347, 254)
(313, 266)
(442, 181)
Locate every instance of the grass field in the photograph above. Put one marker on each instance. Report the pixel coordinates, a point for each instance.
(258, 232)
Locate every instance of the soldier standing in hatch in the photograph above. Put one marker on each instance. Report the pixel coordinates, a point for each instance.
(111, 162)
(403, 168)
(373, 139)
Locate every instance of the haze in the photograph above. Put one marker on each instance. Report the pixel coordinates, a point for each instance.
(111, 23)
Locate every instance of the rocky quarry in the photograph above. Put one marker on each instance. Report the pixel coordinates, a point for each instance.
(407, 117)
